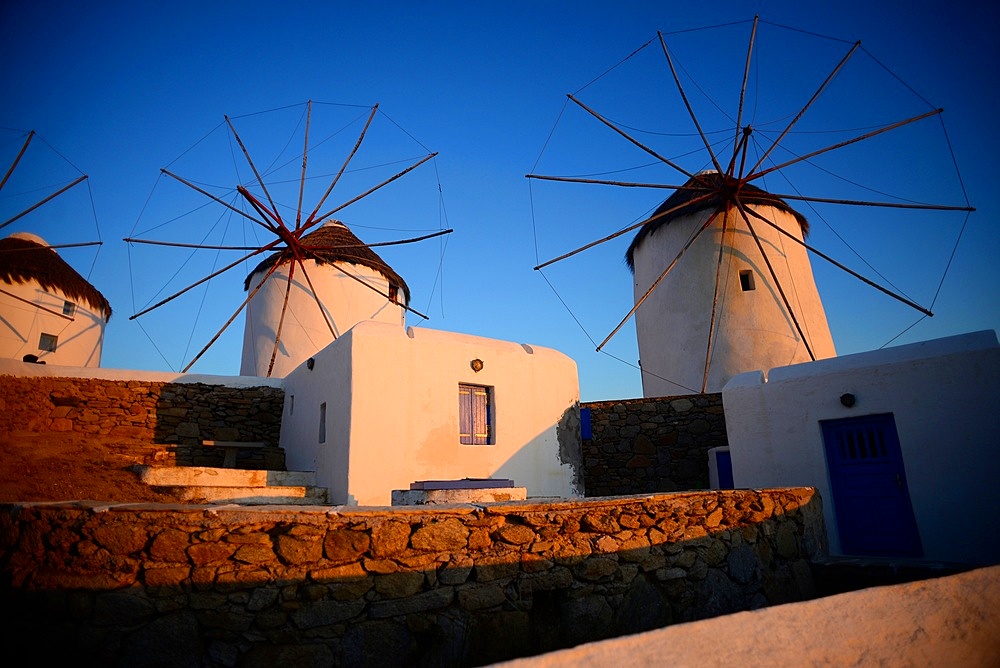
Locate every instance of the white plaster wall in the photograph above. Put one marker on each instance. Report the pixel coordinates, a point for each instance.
(305, 331)
(396, 416)
(945, 398)
(753, 329)
(80, 339)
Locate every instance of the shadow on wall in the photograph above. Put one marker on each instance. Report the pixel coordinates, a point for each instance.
(565, 465)
(651, 445)
(456, 586)
(187, 413)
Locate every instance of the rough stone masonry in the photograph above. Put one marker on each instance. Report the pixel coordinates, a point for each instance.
(448, 585)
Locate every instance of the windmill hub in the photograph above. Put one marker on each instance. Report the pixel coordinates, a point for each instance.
(729, 189)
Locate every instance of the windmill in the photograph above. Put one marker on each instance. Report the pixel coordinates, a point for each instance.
(307, 277)
(50, 312)
(722, 278)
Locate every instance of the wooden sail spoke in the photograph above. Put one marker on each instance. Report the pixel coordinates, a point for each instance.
(687, 104)
(694, 200)
(43, 201)
(868, 135)
(890, 205)
(216, 199)
(603, 182)
(808, 104)
(259, 207)
(343, 168)
(850, 271)
(17, 159)
(305, 157)
(382, 243)
(743, 90)
(377, 290)
(655, 283)
(262, 249)
(315, 220)
(322, 309)
(246, 154)
(239, 310)
(637, 143)
(715, 301)
(281, 318)
(774, 277)
(178, 244)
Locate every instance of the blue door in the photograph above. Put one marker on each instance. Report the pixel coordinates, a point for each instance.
(870, 497)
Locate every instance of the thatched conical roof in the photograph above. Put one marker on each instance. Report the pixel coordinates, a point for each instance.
(26, 257)
(697, 186)
(333, 242)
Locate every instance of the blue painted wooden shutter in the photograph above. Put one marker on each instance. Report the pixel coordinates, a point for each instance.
(474, 414)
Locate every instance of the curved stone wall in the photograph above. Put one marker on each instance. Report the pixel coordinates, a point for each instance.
(455, 585)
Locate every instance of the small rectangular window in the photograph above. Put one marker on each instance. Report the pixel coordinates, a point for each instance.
(474, 422)
(48, 342)
(69, 309)
(746, 280)
(322, 422)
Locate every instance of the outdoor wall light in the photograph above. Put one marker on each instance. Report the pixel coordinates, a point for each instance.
(847, 399)
(310, 363)
(477, 365)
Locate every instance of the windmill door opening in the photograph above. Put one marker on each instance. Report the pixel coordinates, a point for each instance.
(870, 497)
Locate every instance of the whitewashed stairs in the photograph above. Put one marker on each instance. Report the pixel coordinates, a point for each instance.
(205, 484)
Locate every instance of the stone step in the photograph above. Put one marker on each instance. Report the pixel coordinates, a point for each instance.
(282, 495)
(199, 476)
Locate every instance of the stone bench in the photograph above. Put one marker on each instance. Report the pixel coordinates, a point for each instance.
(231, 448)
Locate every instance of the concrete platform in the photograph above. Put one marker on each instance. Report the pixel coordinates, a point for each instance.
(205, 484)
(221, 477)
(249, 495)
(425, 497)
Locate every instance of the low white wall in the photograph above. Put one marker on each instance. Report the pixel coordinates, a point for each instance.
(10, 367)
(945, 398)
(391, 398)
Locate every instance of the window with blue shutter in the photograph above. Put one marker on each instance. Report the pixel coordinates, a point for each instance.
(474, 424)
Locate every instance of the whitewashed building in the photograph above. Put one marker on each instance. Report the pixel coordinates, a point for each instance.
(48, 312)
(301, 308)
(719, 310)
(383, 407)
(901, 444)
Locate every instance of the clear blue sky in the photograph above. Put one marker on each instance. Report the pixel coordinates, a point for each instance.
(122, 89)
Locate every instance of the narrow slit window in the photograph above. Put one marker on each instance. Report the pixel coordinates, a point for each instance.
(322, 422)
(48, 342)
(746, 280)
(474, 421)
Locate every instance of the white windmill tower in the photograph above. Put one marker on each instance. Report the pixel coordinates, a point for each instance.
(343, 283)
(722, 277)
(728, 306)
(50, 313)
(317, 279)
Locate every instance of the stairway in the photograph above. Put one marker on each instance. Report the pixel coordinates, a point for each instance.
(205, 484)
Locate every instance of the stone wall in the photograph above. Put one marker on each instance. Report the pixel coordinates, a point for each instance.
(162, 422)
(652, 445)
(456, 585)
